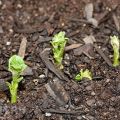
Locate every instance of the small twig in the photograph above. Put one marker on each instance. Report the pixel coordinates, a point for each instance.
(63, 112)
(116, 21)
(103, 55)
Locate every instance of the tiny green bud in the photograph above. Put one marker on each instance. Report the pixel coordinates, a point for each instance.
(84, 74)
(58, 44)
(115, 44)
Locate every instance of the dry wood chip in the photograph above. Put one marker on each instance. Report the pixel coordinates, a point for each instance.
(22, 48)
(103, 55)
(57, 91)
(86, 49)
(71, 47)
(27, 29)
(78, 112)
(105, 15)
(21, 53)
(42, 39)
(27, 71)
(45, 58)
(93, 21)
(49, 28)
(3, 85)
(117, 24)
(88, 12)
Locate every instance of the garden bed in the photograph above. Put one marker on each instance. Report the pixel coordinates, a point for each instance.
(47, 93)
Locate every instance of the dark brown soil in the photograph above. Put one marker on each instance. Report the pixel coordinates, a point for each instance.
(38, 21)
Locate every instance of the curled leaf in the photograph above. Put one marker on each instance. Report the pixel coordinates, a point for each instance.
(16, 64)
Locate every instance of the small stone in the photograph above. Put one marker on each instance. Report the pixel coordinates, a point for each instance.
(48, 114)
(0, 2)
(93, 93)
(19, 5)
(42, 76)
(90, 102)
(8, 43)
(11, 30)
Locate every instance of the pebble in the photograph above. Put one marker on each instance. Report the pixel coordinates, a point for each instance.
(90, 102)
(8, 43)
(0, 2)
(48, 114)
(42, 76)
(93, 93)
(19, 5)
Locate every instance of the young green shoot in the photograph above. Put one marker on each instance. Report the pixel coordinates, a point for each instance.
(115, 44)
(84, 74)
(16, 66)
(58, 44)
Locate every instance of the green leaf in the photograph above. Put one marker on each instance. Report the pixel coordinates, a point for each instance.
(19, 79)
(115, 44)
(9, 85)
(58, 43)
(83, 74)
(16, 64)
